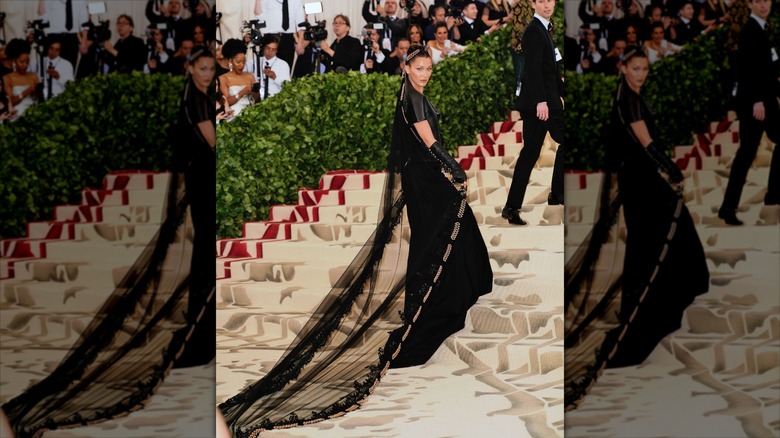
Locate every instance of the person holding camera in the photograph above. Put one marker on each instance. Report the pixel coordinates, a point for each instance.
(58, 71)
(439, 15)
(237, 84)
(169, 15)
(373, 56)
(159, 56)
(394, 63)
(590, 53)
(64, 20)
(129, 52)
(20, 85)
(178, 65)
(346, 51)
(275, 70)
(281, 19)
(387, 14)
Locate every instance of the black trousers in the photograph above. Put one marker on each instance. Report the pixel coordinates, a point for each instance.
(534, 131)
(750, 132)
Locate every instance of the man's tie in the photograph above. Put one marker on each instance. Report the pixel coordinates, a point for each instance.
(285, 15)
(48, 83)
(265, 79)
(68, 15)
(550, 28)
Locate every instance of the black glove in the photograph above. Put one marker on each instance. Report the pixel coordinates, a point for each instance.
(448, 163)
(664, 163)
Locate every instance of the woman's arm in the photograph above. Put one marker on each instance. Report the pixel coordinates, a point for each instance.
(641, 132)
(206, 129)
(424, 130)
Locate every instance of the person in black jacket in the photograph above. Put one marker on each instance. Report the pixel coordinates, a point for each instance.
(346, 52)
(687, 29)
(541, 107)
(394, 28)
(757, 109)
(129, 52)
(471, 29)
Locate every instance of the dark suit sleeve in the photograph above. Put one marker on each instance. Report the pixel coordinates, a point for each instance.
(150, 15)
(754, 66)
(367, 15)
(348, 54)
(533, 82)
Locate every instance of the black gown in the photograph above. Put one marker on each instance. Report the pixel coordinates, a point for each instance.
(416, 285)
(155, 310)
(627, 287)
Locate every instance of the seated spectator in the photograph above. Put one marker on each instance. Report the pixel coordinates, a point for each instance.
(237, 84)
(496, 12)
(610, 64)
(387, 14)
(438, 15)
(441, 47)
(222, 62)
(654, 14)
(658, 47)
(129, 52)
(712, 14)
(171, 14)
(199, 36)
(687, 29)
(275, 71)
(472, 29)
(158, 55)
(601, 19)
(178, 64)
(419, 15)
(373, 55)
(415, 35)
(394, 62)
(590, 54)
(346, 52)
(20, 85)
(632, 36)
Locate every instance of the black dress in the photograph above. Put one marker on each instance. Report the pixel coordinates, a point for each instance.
(413, 280)
(627, 288)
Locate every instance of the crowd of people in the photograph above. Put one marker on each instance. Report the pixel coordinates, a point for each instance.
(288, 50)
(62, 45)
(660, 27)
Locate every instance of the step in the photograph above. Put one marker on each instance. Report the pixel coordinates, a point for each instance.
(136, 180)
(109, 214)
(122, 197)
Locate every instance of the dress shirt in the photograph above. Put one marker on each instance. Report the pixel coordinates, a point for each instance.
(64, 68)
(272, 15)
(282, 70)
(55, 15)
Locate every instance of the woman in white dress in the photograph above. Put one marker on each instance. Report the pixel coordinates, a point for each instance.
(442, 48)
(658, 47)
(237, 84)
(19, 85)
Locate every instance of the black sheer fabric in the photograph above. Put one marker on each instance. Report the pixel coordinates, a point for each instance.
(642, 264)
(401, 296)
(126, 351)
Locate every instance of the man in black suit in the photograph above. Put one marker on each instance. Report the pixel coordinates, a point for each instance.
(688, 28)
(757, 108)
(471, 29)
(541, 108)
(129, 52)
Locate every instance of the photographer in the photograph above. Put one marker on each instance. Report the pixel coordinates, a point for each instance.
(179, 64)
(438, 15)
(395, 27)
(129, 52)
(418, 12)
(346, 51)
(275, 70)
(590, 54)
(157, 61)
(58, 70)
(394, 63)
(64, 18)
(283, 24)
(170, 15)
(373, 56)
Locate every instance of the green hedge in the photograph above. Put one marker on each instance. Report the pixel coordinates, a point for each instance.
(343, 121)
(687, 92)
(97, 125)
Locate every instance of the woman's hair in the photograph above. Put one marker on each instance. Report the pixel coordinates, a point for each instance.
(630, 53)
(126, 17)
(416, 51)
(409, 29)
(343, 17)
(655, 25)
(438, 25)
(16, 47)
(198, 52)
(233, 47)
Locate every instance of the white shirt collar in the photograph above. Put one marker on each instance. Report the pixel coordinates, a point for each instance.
(270, 61)
(468, 20)
(684, 20)
(760, 21)
(545, 22)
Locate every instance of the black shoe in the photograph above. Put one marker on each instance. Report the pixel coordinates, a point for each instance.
(553, 199)
(771, 199)
(511, 214)
(730, 217)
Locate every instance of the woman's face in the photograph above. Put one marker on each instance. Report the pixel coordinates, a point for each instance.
(419, 72)
(631, 35)
(414, 34)
(22, 62)
(636, 72)
(633, 8)
(239, 61)
(441, 34)
(203, 71)
(198, 37)
(416, 9)
(655, 15)
(658, 34)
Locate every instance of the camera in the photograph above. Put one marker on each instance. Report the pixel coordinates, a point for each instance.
(217, 17)
(407, 5)
(35, 27)
(314, 32)
(2, 19)
(454, 12)
(254, 26)
(98, 32)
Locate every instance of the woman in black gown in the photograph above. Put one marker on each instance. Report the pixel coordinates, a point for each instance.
(617, 314)
(157, 308)
(417, 286)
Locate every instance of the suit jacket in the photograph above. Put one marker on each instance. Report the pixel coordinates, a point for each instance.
(396, 27)
(348, 53)
(469, 33)
(686, 33)
(756, 75)
(541, 80)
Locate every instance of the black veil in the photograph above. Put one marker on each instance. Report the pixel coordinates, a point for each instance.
(129, 347)
(342, 352)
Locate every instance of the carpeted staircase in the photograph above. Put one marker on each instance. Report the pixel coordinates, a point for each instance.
(501, 375)
(719, 375)
(54, 279)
